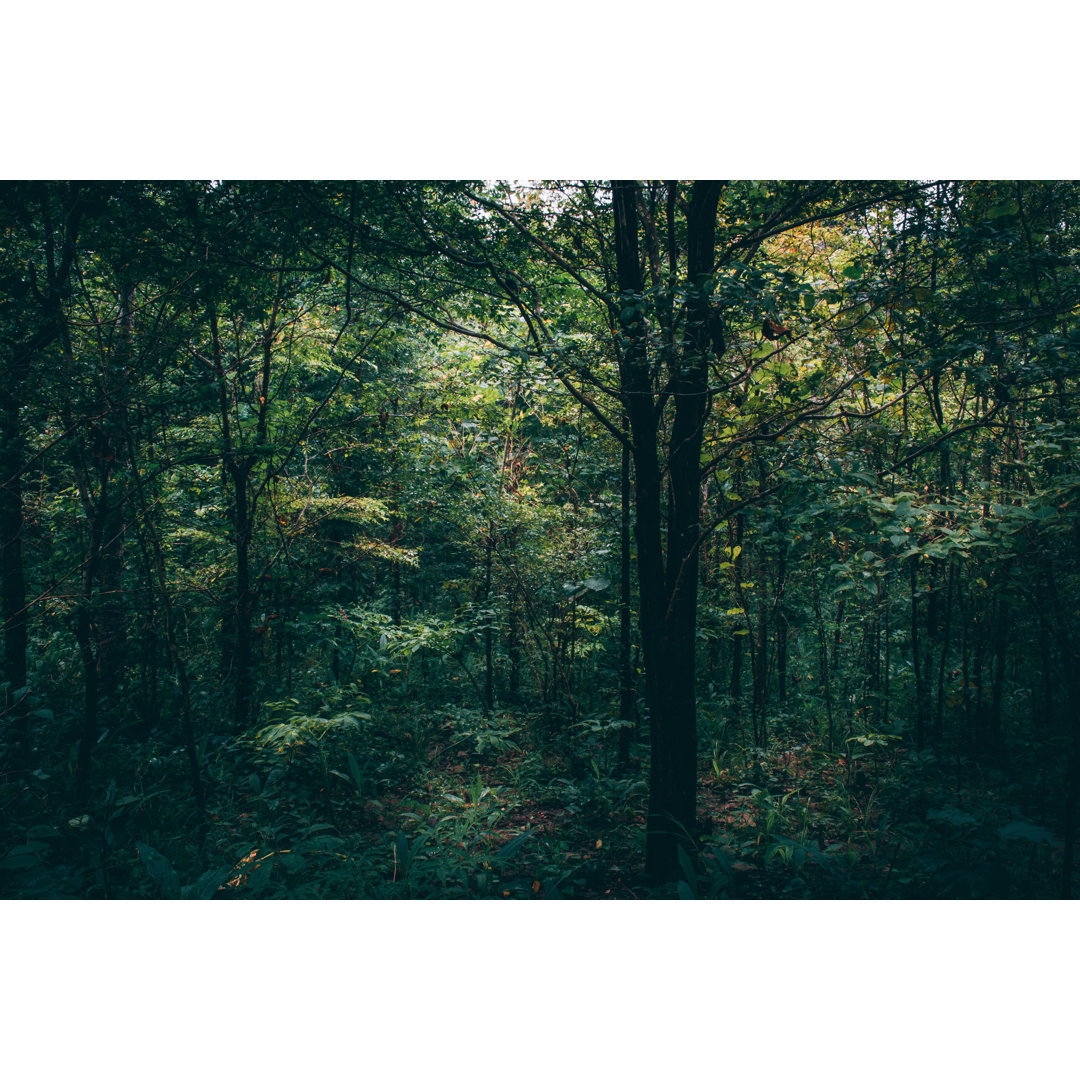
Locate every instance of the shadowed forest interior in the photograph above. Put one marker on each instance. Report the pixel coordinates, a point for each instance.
(548, 540)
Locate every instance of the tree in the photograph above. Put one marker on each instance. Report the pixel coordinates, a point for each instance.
(304, 449)
(40, 225)
(558, 272)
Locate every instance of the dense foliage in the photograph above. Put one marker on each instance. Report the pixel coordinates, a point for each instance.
(480, 540)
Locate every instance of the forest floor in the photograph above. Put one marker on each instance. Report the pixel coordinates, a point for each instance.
(453, 805)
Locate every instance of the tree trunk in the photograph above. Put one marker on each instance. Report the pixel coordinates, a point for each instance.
(823, 660)
(917, 669)
(243, 675)
(781, 621)
(1001, 647)
(939, 714)
(111, 617)
(627, 709)
(668, 576)
(156, 556)
(13, 610)
(237, 467)
(489, 663)
(1072, 788)
(13, 704)
(513, 647)
(759, 668)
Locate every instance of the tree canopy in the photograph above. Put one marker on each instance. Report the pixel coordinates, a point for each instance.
(490, 539)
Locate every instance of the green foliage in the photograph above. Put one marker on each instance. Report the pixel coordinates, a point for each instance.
(362, 634)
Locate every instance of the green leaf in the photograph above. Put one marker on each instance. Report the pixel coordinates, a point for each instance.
(684, 891)
(20, 862)
(1024, 830)
(260, 875)
(853, 271)
(160, 869)
(511, 847)
(1007, 208)
(687, 867)
(43, 832)
(207, 884)
(24, 856)
(951, 815)
(356, 772)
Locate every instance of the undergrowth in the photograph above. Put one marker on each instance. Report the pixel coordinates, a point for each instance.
(344, 800)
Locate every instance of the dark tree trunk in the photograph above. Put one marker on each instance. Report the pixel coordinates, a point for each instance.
(13, 377)
(101, 516)
(242, 654)
(111, 617)
(823, 660)
(1072, 782)
(397, 532)
(1001, 647)
(946, 633)
(921, 709)
(111, 628)
(238, 467)
(781, 655)
(759, 668)
(668, 576)
(156, 557)
(627, 709)
(489, 663)
(12, 581)
(85, 631)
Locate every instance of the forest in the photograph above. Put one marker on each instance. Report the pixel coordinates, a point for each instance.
(539, 540)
